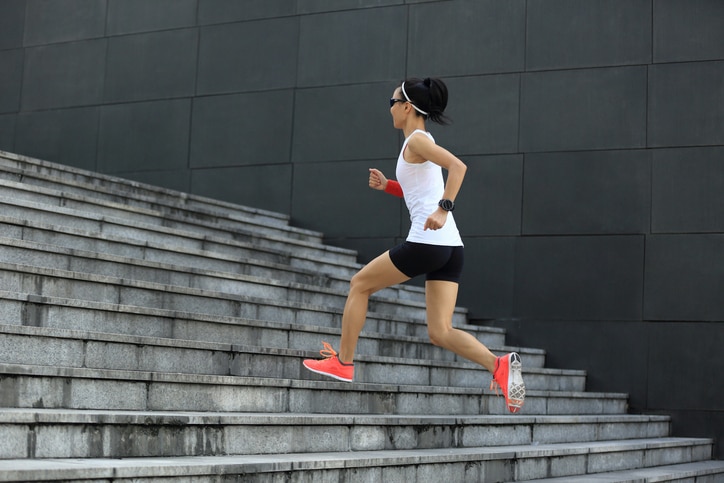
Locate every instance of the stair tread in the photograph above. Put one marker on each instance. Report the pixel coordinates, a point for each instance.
(32, 167)
(181, 290)
(211, 345)
(201, 246)
(80, 416)
(192, 274)
(150, 251)
(215, 465)
(230, 380)
(161, 230)
(380, 338)
(654, 474)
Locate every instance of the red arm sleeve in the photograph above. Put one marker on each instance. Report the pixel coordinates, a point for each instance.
(393, 188)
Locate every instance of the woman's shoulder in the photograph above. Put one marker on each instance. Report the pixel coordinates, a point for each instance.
(420, 131)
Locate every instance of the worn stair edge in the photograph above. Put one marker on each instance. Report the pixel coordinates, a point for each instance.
(106, 434)
(697, 472)
(265, 285)
(254, 261)
(33, 166)
(102, 350)
(223, 241)
(284, 304)
(402, 339)
(219, 225)
(225, 252)
(83, 388)
(508, 463)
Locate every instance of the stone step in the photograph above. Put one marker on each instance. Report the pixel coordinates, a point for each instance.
(20, 345)
(683, 457)
(28, 168)
(273, 284)
(280, 303)
(696, 472)
(234, 257)
(226, 242)
(381, 337)
(104, 434)
(152, 213)
(118, 190)
(248, 260)
(26, 386)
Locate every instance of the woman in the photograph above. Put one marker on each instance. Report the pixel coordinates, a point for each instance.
(433, 246)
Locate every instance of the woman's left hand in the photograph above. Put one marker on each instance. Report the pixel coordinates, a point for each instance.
(436, 220)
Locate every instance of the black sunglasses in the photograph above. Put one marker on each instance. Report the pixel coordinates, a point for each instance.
(393, 100)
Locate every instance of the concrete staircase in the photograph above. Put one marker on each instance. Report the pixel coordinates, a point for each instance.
(151, 335)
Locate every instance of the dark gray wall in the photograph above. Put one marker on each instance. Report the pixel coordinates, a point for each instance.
(593, 209)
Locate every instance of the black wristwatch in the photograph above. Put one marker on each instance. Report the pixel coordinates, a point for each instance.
(447, 205)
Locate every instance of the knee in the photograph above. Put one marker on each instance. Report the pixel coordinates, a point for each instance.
(436, 337)
(354, 282)
(357, 284)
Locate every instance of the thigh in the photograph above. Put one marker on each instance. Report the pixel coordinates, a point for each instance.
(441, 298)
(378, 274)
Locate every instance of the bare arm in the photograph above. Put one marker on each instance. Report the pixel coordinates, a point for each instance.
(422, 149)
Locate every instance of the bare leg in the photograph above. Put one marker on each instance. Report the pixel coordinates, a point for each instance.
(441, 297)
(374, 276)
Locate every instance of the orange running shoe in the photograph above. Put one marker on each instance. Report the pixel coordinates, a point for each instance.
(331, 365)
(509, 378)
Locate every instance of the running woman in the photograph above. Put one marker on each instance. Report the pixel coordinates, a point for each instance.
(433, 246)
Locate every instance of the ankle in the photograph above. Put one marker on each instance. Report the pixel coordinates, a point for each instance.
(348, 362)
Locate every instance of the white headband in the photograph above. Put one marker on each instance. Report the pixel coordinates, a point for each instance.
(412, 103)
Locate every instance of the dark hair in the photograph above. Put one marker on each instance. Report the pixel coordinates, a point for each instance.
(428, 95)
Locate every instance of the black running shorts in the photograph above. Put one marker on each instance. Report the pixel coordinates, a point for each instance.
(436, 261)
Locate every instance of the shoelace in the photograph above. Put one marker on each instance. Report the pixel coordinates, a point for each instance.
(328, 351)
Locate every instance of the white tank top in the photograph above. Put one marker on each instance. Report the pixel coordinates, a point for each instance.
(423, 186)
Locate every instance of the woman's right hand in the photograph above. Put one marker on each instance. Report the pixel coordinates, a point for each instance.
(377, 179)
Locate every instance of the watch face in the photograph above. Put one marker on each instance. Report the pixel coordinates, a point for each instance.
(446, 205)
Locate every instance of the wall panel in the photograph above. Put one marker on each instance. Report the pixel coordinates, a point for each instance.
(11, 69)
(155, 65)
(52, 21)
(685, 104)
(67, 136)
(64, 75)
(487, 37)
(12, 23)
(346, 207)
(226, 129)
(144, 136)
(260, 186)
(688, 190)
(352, 47)
(132, 16)
(587, 109)
(599, 192)
(248, 56)
(684, 278)
(688, 30)
(564, 34)
(580, 278)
